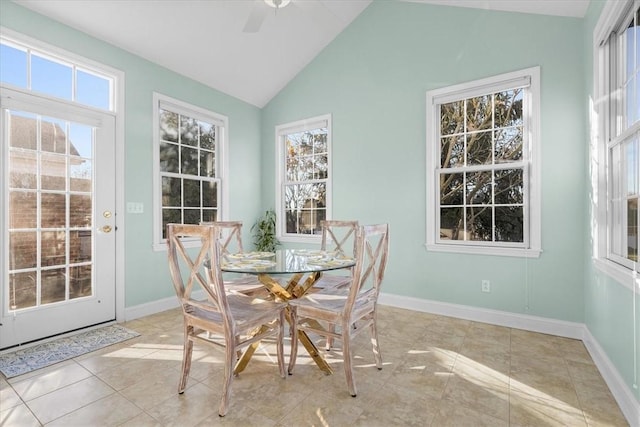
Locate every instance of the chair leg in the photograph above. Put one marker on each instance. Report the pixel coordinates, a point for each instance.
(331, 328)
(228, 377)
(348, 359)
(376, 344)
(187, 352)
(293, 316)
(280, 345)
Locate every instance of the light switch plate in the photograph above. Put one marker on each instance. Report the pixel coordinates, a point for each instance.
(135, 207)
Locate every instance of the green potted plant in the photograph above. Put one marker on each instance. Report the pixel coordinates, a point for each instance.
(264, 232)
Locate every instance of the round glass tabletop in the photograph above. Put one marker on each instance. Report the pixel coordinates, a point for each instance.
(285, 261)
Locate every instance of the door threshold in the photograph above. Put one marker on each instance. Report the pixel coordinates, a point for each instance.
(57, 336)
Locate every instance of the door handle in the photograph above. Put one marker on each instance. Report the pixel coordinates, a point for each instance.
(107, 229)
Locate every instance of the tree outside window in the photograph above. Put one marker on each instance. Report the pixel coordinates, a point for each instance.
(481, 175)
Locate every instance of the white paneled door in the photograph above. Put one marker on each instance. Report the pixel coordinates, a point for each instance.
(58, 236)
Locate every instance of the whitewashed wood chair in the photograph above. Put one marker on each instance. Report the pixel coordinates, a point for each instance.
(239, 320)
(344, 308)
(230, 238)
(340, 237)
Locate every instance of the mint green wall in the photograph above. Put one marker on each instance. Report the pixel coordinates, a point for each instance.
(373, 79)
(146, 271)
(609, 306)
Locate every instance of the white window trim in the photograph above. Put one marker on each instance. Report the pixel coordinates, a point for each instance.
(532, 206)
(280, 131)
(609, 18)
(221, 154)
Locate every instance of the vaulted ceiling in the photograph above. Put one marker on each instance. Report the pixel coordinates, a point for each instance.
(244, 48)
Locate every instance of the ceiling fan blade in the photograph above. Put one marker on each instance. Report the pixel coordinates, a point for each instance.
(256, 17)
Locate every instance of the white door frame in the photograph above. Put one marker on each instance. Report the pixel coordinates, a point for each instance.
(119, 112)
(25, 100)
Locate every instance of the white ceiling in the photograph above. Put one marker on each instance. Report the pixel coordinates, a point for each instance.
(205, 39)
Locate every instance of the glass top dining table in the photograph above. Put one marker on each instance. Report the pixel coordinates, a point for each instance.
(293, 262)
(285, 261)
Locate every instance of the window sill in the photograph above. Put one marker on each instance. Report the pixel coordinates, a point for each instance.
(307, 239)
(620, 274)
(161, 247)
(508, 252)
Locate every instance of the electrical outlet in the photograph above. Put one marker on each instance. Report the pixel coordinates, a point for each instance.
(486, 286)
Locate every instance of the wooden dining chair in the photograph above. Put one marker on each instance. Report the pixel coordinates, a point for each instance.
(340, 237)
(239, 320)
(346, 308)
(230, 239)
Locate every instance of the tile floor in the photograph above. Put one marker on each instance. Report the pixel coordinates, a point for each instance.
(438, 371)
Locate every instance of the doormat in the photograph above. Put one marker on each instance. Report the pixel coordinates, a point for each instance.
(39, 356)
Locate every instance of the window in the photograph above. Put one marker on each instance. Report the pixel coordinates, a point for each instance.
(482, 181)
(617, 78)
(188, 150)
(304, 178)
(26, 67)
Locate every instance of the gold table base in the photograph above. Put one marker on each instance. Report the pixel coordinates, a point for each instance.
(293, 290)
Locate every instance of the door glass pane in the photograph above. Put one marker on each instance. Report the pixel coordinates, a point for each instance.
(24, 216)
(23, 290)
(80, 246)
(23, 169)
(22, 254)
(53, 210)
(24, 130)
(53, 285)
(53, 175)
(80, 140)
(80, 215)
(50, 210)
(53, 135)
(79, 281)
(80, 175)
(52, 248)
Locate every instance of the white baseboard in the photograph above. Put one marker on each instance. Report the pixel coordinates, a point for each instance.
(629, 405)
(501, 318)
(621, 392)
(624, 396)
(157, 306)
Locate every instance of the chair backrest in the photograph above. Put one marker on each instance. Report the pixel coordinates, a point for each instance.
(372, 249)
(198, 268)
(230, 236)
(339, 236)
